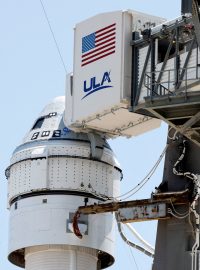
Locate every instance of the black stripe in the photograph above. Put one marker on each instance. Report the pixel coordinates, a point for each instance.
(63, 156)
(56, 192)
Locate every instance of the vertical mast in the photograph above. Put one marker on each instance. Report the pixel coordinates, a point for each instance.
(176, 236)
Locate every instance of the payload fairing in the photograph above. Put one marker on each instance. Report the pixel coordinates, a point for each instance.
(51, 174)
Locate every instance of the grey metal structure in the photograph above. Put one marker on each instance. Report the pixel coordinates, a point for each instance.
(175, 101)
(169, 76)
(175, 236)
(169, 85)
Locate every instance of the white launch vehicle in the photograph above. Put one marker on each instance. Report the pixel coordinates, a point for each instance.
(55, 170)
(51, 173)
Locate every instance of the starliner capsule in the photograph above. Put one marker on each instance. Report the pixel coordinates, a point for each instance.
(51, 174)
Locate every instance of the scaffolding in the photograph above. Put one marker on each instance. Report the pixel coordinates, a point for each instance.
(166, 76)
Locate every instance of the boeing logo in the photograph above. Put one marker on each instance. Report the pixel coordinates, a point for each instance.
(94, 86)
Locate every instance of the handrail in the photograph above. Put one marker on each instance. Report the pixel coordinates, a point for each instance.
(160, 89)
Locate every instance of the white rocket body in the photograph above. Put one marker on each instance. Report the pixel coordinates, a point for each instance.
(52, 173)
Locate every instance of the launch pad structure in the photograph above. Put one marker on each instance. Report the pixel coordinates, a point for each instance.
(165, 85)
(64, 173)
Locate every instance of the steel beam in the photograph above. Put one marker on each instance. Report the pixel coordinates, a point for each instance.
(190, 122)
(134, 211)
(134, 77)
(166, 58)
(142, 76)
(185, 64)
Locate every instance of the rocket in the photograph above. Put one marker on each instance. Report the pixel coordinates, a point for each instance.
(65, 162)
(51, 174)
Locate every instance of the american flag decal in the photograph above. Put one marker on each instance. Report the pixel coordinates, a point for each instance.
(98, 45)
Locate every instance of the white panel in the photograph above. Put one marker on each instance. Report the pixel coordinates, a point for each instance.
(29, 227)
(19, 155)
(38, 173)
(93, 73)
(101, 89)
(121, 122)
(147, 124)
(143, 21)
(19, 176)
(62, 174)
(53, 148)
(26, 176)
(52, 166)
(82, 175)
(109, 157)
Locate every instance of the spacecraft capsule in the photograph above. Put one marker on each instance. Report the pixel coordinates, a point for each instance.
(51, 174)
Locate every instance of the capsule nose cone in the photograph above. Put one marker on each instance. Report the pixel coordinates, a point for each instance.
(49, 122)
(59, 99)
(56, 105)
(49, 129)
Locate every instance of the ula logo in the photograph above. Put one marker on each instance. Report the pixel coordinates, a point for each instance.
(94, 86)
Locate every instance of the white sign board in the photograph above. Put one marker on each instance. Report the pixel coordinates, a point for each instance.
(102, 74)
(98, 63)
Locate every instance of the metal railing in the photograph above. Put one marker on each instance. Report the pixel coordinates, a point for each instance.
(174, 82)
(155, 89)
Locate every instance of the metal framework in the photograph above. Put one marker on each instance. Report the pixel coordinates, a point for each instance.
(154, 208)
(171, 99)
(172, 94)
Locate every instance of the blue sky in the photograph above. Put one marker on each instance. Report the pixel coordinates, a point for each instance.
(31, 74)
